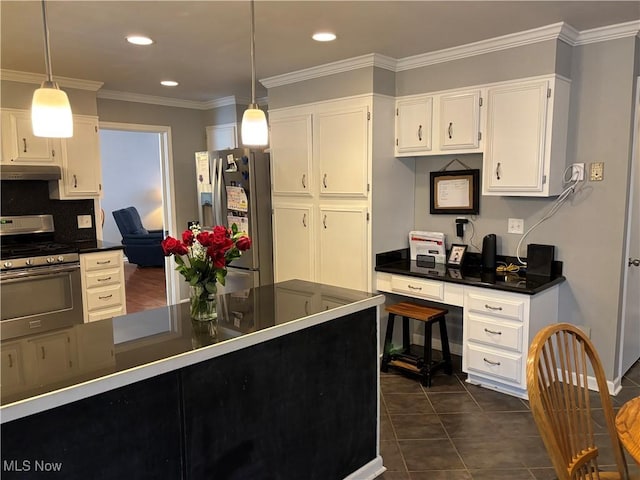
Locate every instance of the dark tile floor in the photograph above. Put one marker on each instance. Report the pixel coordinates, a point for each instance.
(458, 431)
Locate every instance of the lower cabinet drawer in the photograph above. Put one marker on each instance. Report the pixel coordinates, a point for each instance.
(106, 313)
(498, 333)
(102, 278)
(416, 287)
(101, 260)
(104, 298)
(504, 365)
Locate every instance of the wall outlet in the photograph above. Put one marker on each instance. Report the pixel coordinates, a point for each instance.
(515, 225)
(577, 172)
(597, 171)
(84, 221)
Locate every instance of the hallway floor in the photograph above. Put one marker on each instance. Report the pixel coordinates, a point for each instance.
(458, 431)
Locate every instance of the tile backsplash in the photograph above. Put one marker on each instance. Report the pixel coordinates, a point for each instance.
(31, 197)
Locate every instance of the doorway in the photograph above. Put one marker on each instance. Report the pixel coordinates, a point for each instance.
(137, 169)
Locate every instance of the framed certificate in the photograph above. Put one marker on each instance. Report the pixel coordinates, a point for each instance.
(455, 192)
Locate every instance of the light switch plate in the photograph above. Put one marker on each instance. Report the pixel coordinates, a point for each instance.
(84, 221)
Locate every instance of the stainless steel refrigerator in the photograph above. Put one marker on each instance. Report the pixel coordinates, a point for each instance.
(234, 186)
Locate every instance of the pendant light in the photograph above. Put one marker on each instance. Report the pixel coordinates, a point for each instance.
(50, 110)
(254, 130)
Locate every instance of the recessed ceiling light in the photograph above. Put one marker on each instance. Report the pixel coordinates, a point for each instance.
(169, 83)
(139, 40)
(324, 36)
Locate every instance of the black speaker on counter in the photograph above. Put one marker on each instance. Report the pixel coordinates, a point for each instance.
(489, 252)
(539, 259)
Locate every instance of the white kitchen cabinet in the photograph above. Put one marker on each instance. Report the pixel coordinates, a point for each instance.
(13, 376)
(53, 355)
(81, 165)
(497, 330)
(222, 137)
(293, 227)
(340, 140)
(291, 153)
(459, 121)
(292, 304)
(343, 247)
(526, 140)
(103, 293)
(414, 118)
(19, 145)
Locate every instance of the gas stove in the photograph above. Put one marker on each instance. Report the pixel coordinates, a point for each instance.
(28, 241)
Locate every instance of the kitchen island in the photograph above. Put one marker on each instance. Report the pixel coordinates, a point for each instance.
(283, 385)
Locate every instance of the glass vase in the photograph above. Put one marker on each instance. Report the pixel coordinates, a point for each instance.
(202, 304)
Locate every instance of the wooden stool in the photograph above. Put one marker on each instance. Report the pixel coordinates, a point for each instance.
(405, 361)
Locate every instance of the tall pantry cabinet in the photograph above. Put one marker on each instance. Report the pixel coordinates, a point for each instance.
(323, 168)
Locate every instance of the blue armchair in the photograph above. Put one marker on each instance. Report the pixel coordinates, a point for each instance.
(141, 246)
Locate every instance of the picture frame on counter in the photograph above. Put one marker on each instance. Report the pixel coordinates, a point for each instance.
(455, 192)
(456, 255)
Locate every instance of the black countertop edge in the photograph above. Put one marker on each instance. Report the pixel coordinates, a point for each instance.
(93, 246)
(471, 273)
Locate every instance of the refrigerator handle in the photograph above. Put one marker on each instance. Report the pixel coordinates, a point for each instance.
(219, 192)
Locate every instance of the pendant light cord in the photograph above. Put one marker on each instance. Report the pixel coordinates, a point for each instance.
(47, 51)
(253, 58)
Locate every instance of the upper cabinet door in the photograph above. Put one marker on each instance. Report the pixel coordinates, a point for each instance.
(525, 135)
(341, 147)
(222, 137)
(81, 166)
(19, 145)
(291, 153)
(459, 121)
(413, 125)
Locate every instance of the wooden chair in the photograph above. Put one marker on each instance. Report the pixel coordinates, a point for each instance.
(560, 359)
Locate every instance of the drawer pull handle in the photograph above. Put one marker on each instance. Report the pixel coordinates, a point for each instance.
(104, 279)
(420, 132)
(414, 288)
(43, 354)
(24, 142)
(492, 308)
(106, 297)
(104, 262)
(304, 180)
(10, 361)
(495, 364)
(492, 332)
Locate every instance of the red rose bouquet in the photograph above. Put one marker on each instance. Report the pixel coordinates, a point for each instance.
(206, 256)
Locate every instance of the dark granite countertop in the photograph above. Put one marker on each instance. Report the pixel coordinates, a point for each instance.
(151, 342)
(471, 273)
(92, 246)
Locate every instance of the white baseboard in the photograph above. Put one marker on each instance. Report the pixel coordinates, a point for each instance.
(370, 471)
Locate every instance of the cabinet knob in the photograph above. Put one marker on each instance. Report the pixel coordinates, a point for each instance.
(635, 262)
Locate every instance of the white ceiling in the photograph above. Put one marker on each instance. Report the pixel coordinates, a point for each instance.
(204, 45)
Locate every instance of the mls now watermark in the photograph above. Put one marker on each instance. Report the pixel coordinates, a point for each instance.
(30, 466)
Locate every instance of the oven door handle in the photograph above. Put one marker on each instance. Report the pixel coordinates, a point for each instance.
(45, 271)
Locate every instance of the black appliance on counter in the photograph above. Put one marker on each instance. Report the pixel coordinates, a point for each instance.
(40, 287)
(489, 252)
(540, 259)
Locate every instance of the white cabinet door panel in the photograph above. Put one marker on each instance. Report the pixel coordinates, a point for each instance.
(413, 125)
(291, 152)
(293, 242)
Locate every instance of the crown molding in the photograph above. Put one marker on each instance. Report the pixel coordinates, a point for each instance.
(151, 99)
(355, 63)
(611, 32)
(38, 78)
(528, 37)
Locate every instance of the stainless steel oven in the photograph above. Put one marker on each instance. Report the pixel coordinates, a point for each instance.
(40, 286)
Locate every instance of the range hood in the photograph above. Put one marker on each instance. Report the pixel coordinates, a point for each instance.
(30, 172)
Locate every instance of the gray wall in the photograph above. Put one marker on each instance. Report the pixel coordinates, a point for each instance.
(187, 136)
(130, 177)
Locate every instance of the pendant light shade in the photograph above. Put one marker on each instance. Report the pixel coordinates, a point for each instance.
(254, 129)
(50, 110)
